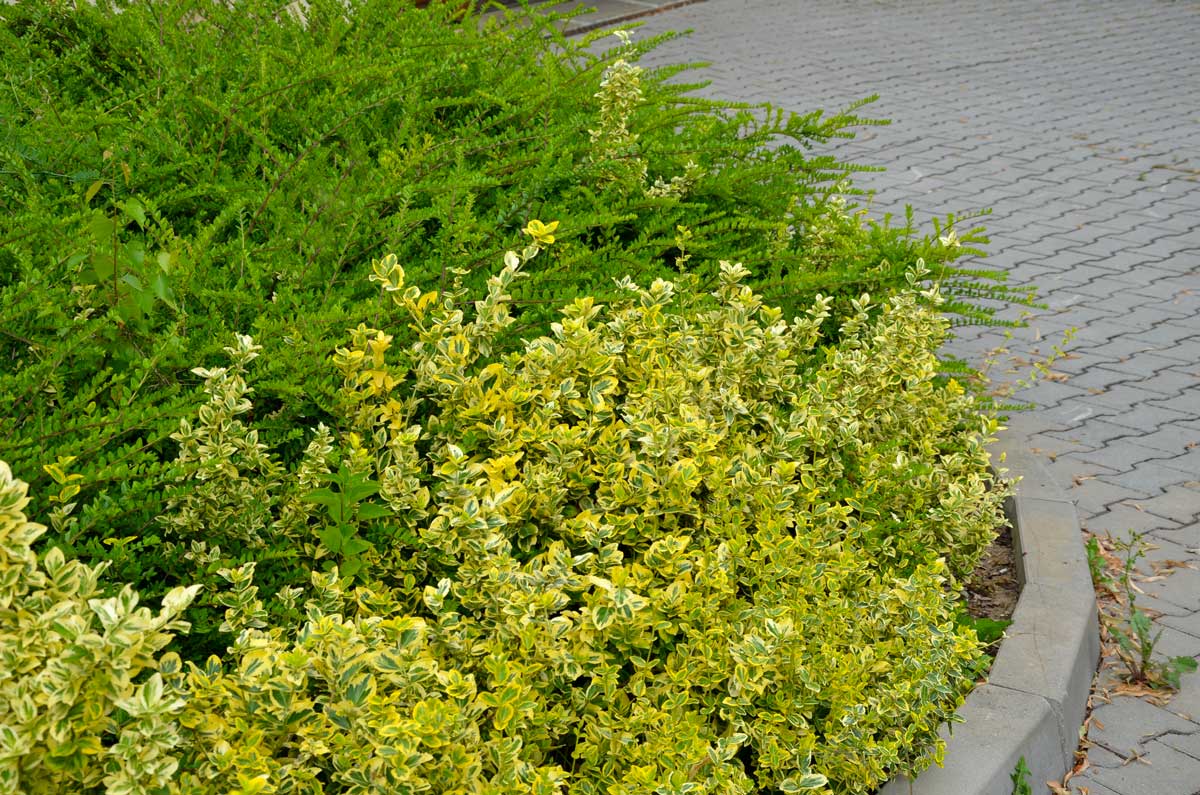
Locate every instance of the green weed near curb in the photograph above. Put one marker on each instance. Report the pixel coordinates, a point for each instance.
(1020, 779)
(1133, 630)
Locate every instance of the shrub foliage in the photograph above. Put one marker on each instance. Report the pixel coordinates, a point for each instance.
(668, 511)
(483, 546)
(175, 173)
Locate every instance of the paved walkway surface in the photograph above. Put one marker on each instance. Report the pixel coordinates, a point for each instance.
(1078, 123)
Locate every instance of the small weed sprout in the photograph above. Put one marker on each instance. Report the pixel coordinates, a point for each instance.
(1131, 627)
(1020, 778)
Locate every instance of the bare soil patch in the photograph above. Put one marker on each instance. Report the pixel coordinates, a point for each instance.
(992, 590)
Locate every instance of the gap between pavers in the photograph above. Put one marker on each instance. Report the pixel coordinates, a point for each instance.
(1036, 695)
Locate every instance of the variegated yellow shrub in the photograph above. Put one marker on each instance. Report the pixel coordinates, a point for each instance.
(72, 718)
(683, 545)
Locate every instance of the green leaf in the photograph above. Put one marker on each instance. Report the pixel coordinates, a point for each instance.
(333, 502)
(102, 266)
(134, 209)
(102, 228)
(1185, 665)
(806, 781)
(332, 538)
(360, 488)
(504, 715)
(371, 510)
(354, 546)
(162, 290)
(603, 616)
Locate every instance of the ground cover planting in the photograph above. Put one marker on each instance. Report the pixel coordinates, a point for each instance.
(475, 405)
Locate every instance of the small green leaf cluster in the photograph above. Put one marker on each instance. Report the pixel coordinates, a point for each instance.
(1020, 778)
(678, 509)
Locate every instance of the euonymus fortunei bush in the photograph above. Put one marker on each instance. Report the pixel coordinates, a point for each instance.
(681, 543)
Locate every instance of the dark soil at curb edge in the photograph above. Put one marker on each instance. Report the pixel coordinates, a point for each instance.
(992, 590)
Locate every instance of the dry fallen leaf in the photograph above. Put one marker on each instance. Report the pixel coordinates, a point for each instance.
(1132, 690)
(1167, 567)
(1136, 756)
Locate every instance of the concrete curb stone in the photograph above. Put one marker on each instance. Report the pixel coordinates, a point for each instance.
(1036, 696)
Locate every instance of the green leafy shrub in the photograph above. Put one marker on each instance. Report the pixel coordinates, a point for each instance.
(173, 173)
(676, 509)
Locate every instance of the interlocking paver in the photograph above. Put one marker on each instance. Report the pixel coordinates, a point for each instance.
(1119, 520)
(1177, 503)
(1176, 438)
(1162, 771)
(1127, 737)
(1095, 433)
(1146, 416)
(1058, 117)
(1152, 477)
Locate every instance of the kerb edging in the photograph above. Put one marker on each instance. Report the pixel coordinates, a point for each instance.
(1036, 695)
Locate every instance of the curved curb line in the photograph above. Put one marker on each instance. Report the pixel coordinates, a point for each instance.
(1036, 695)
(651, 7)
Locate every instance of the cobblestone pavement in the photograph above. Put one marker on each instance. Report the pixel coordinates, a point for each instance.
(1078, 123)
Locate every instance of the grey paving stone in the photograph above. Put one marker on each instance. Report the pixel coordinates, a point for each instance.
(1188, 624)
(1102, 378)
(1051, 393)
(1186, 702)
(1122, 396)
(1093, 496)
(1166, 335)
(1048, 448)
(1127, 724)
(1185, 743)
(1165, 771)
(1188, 462)
(1145, 417)
(1087, 783)
(1171, 581)
(1172, 642)
(1177, 503)
(1186, 536)
(1095, 433)
(1128, 451)
(1072, 470)
(1173, 438)
(1175, 291)
(1148, 317)
(1173, 380)
(1185, 402)
(1150, 477)
(1119, 520)
(1150, 357)
(1144, 363)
